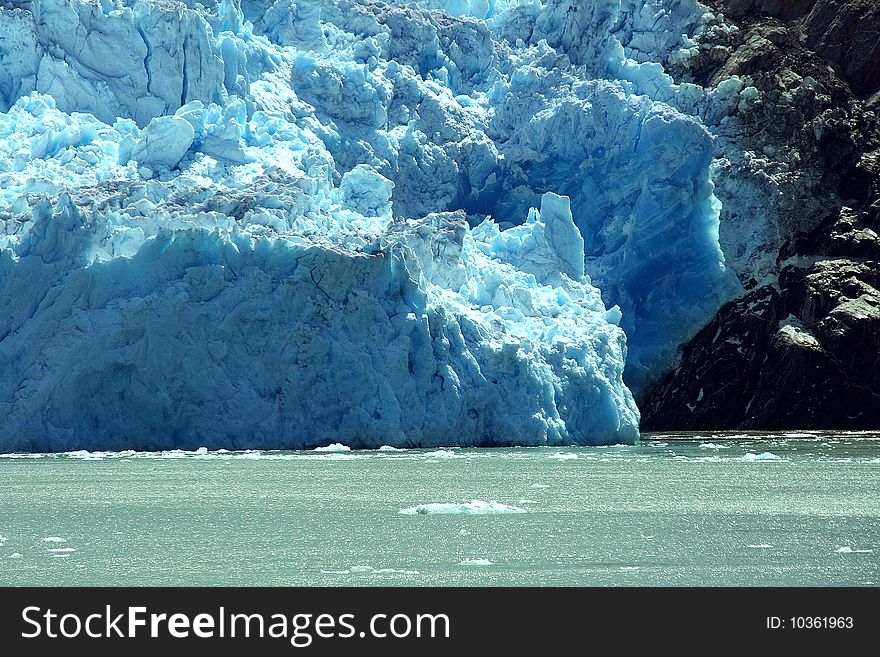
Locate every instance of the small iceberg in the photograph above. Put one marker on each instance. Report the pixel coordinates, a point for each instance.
(54, 539)
(846, 549)
(764, 456)
(476, 562)
(334, 448)
(475, 507)
(441, 454)
(369, 570)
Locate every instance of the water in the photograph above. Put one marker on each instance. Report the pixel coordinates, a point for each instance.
(722, 509)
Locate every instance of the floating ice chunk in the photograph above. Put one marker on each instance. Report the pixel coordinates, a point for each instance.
(249, 455)
(362, 569)
(440, 454)
(15, 555)
(476, 562)
(334, 448)
(389, 448)
(62, 550)
(846, 549)
(539, 486)
(476, 507)
(382, 571)
(764, 456)
(85, 455)
(369, 570)
(563, 456)
(54, 539)
(760, 546)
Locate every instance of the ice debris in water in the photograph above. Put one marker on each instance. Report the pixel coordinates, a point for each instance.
(369, 570)
(476, 507)
(763, 456)
(333, 448)
(373, 223)
(476, 562)
(440, 454)
(846, 549)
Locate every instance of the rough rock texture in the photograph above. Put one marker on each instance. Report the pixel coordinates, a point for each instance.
(800, 347)
(844, 32)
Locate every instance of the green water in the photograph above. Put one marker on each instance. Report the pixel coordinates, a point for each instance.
(792, 509)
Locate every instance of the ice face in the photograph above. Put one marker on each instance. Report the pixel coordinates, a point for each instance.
(215, 336)
(281, 222)
(259, 304)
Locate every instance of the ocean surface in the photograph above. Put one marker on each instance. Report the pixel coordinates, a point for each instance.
(713, 509)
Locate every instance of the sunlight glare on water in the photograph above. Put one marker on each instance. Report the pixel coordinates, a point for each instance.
(713, 509)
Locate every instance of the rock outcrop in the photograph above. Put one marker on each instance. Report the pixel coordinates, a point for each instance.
(800, 347)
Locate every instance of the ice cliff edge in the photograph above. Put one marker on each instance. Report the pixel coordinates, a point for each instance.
(280, 224)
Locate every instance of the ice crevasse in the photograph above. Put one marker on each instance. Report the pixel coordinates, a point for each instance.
(284, 223)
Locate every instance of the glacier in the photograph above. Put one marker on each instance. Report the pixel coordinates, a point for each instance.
(288, 223)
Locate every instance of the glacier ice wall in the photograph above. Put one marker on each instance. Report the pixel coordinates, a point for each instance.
(261, 304)
(288, 222)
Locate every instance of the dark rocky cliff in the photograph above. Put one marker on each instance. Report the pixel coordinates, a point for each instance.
(801, 347)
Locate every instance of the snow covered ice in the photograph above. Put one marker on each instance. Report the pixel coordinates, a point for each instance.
(288, 223)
